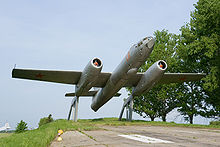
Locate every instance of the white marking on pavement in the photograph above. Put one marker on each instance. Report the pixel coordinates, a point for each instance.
(186, 131)
(145, 139)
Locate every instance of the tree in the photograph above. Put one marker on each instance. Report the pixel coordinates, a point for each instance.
(162, 99)
(146, 106)
(158, 102)
(21, 127)
(199, 50)
(192, 103)
(168, 97)
(45, 120)
(193, 100)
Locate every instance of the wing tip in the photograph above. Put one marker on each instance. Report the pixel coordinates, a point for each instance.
(13, 73)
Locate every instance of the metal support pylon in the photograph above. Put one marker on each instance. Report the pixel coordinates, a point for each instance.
(130, 109)
(128, 104)
(74, 108)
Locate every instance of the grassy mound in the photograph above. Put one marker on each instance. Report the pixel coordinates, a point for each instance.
(40, 137)
(43, 136)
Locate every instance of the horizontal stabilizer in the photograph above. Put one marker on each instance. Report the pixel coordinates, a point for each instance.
(89, 93)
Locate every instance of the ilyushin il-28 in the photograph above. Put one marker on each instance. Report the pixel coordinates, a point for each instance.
(106, 85)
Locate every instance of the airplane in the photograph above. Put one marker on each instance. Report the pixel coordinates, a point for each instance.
(106, 85)
(5, 128)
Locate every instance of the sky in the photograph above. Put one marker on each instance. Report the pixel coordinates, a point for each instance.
(65, 35)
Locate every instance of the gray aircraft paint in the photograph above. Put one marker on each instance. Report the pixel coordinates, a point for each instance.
(135, 57)
(88, 76)
(150, 78)
(125, 75)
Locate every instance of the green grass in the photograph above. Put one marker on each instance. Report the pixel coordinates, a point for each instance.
(115, 122)
(43, 136)
(5, 135)
(215, 123)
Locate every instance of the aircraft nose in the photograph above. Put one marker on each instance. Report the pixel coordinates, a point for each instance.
(151, 42)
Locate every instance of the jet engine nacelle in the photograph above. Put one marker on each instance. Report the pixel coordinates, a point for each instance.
(88, 76)
(150, 77)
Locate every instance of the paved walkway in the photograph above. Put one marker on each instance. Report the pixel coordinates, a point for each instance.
(135, 136)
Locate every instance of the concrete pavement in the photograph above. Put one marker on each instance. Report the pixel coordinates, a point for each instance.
(130, 136)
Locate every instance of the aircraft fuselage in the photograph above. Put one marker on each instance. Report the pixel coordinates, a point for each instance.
(135, 57)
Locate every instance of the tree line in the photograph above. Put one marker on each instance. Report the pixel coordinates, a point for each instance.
(195, 49)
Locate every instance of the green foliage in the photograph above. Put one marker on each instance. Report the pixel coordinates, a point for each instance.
(199, 50)
(196, 50)
(146, 106)
(193, 101)
(21, 127)
(162, 99)
(45, 120)
(215, 123)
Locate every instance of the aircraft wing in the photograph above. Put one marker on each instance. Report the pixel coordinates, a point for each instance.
(72, 77)
(65, 77)
(167, 78)
(180, 77)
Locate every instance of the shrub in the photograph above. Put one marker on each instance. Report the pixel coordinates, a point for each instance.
(45, 120)
(215, 122)
(21, 127)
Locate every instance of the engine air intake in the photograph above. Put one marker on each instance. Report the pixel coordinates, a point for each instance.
(96, 62)
(162, 64)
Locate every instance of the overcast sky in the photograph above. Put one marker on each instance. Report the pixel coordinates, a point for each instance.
(65, 35)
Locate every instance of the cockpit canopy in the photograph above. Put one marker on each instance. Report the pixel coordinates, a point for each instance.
(143, 41)
(147, 38)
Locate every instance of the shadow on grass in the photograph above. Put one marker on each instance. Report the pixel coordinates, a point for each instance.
(98, 119)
